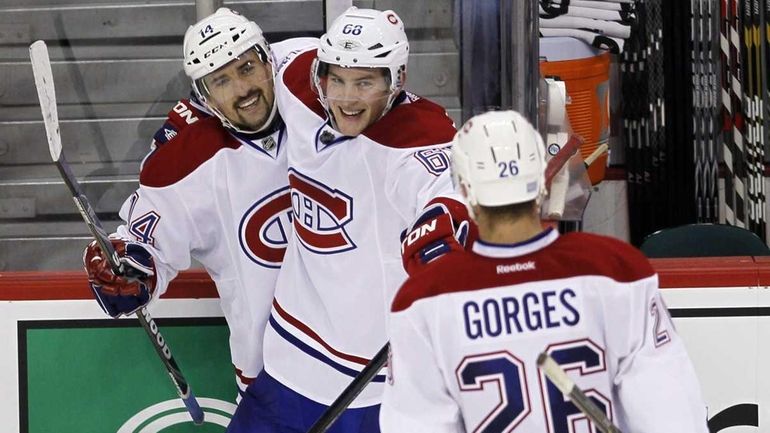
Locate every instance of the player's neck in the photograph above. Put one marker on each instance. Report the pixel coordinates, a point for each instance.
(509, 231)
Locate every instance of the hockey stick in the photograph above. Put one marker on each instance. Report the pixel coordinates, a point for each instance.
(351, 392)
(599, 151)
(558, 161)
(366, 375)
(559, 378)
(41, 68)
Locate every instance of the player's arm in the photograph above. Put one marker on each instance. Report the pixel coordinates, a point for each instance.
(437, 218)
(415, 398)
(656, 384)
(156, 240)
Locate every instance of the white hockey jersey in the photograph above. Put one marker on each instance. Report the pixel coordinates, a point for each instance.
(465, 335)
(223, 199)
(351, 197)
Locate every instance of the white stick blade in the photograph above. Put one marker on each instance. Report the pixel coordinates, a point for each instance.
(555, 373)
(599, 151)
(41, 69)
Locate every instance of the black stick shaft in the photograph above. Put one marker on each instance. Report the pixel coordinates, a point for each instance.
(148, 324)
(351, 392)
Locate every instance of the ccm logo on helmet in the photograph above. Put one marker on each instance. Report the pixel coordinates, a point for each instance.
(320, 215)
(213, 51)
(264, 228)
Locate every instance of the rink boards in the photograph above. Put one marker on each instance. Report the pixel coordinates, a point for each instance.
(66, 368)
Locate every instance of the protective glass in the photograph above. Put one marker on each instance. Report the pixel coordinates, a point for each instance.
(369, 86)
(241, 91)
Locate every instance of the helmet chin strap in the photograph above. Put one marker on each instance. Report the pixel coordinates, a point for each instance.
(269, 121)
(388, 105)
(395, 89)
(470, 198)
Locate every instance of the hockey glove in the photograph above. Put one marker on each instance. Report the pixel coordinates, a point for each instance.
(119, 295)
(433, 234)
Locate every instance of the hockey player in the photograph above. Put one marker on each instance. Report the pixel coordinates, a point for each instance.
(466, 331)
(215, 191)
(365, 159)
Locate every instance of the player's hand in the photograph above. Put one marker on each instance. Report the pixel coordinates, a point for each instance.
(120, 295)
(433, 234)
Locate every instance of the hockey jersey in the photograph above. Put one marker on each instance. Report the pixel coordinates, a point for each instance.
(466, 332)
(351, 197)
(221, 198)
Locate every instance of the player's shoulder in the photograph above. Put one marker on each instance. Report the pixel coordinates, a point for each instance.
(572, 255)
(604, 256)
(412, 122)
(285, 51)
(294, 75)
(184, 113)
(447, 274)
(179, 157)
(188, 110)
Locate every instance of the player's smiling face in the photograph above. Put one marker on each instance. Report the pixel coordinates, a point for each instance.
(356, 96)
(242, 91)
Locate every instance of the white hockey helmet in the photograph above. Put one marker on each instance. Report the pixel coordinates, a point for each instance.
(499, 158)
(215, 41)
(364, 38)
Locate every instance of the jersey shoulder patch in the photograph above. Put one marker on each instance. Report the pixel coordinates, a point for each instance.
(417, 122)
(193, 146)
(166, 132)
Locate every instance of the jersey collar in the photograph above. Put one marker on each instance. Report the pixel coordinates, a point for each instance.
(326, 137)
(269, 144)
(499, 251)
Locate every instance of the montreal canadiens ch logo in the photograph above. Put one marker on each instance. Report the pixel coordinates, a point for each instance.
(264, 229)
(320, 215)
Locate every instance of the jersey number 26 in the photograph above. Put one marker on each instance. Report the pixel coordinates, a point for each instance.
(508, 372)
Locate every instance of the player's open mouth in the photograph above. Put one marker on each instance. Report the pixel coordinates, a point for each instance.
(249, 103)
(351, 113)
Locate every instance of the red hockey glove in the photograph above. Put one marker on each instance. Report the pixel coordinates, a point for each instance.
(119, 295)
(433, 234)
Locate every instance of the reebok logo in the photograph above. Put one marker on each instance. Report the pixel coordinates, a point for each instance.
(516, 267)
